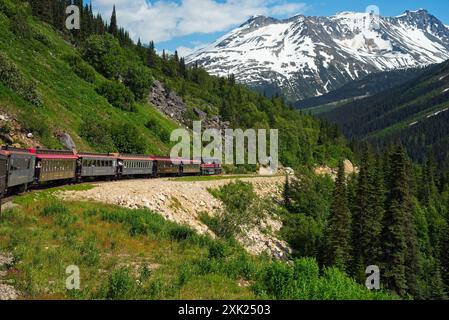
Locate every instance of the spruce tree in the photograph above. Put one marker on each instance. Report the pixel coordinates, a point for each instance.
(367, 215)
(338, 230)
(113, 28)
(400, 248)
(152, 56)
(444, 255)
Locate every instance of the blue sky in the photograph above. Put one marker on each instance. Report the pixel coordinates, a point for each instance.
(184, 25)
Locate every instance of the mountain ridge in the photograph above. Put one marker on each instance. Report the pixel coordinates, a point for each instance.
(306, 56)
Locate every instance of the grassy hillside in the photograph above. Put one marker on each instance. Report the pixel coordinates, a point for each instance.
(414, 113)
(67, 100)
(94, 86)
(137, 254)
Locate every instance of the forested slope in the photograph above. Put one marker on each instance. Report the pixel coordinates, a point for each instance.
(94, 84)
(415, 114)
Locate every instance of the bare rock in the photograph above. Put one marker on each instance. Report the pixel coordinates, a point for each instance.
(67, 141)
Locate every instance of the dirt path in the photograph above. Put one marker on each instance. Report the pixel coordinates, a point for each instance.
(182, 202)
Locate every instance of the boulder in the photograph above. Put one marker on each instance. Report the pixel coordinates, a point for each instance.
(67, 141)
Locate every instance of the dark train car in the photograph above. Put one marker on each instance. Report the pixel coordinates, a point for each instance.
(54, 165)
(135, 165)
(190, 167)
(20, 167)
(165, 166)
(3, 173)
(97, 165)
(211, 167)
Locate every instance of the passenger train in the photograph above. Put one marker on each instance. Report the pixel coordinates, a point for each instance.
(23, 168)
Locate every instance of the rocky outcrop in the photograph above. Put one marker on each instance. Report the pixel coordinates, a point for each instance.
(167, 102)
(325, 170)
(174, 107)
(12, 133)
(67, 141)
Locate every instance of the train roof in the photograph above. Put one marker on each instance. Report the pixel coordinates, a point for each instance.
(139, 157)
(53, 154)
(97, 155)
(176, 160)
(7, 151)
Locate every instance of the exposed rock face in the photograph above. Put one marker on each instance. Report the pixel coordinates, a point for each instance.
(349, 169)
(167, 102)
(173, 106)
(67, 141)
(183, 202)
(12, 133)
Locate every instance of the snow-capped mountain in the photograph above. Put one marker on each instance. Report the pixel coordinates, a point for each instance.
(309, 56)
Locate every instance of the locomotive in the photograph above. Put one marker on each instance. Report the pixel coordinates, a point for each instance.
(22, 168)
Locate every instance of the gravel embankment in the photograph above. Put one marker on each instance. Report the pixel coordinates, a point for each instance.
(183, 201)
(7, 292)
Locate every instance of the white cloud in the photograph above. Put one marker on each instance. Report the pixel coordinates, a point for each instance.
(166, 19)
(287, 9)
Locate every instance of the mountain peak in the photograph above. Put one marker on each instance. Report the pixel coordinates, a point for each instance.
(415, 13)
(259, 21)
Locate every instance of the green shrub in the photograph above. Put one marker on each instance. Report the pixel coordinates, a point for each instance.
(81, 68)
(144, 273)
(33, 122)
(55, 209)
(212, 222)
(181, 233)
(127, 139)
(117, 95)
(14, 79)
(217, 250)
(66, 219)
(302, 281)
(242, 208)
(138, 79)
(97, 133)
(121, 285)
(104, 53)
(140, 222)
(89, 253)
(158, 130)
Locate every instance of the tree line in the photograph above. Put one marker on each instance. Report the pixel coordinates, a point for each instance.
(392, 214)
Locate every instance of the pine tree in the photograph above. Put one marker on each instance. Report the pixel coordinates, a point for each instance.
(113, 28)
(152, 56)
(367, 215)
(444, 255)
(400, 258)
(338, 230)
(183, 68)
(43, 9)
